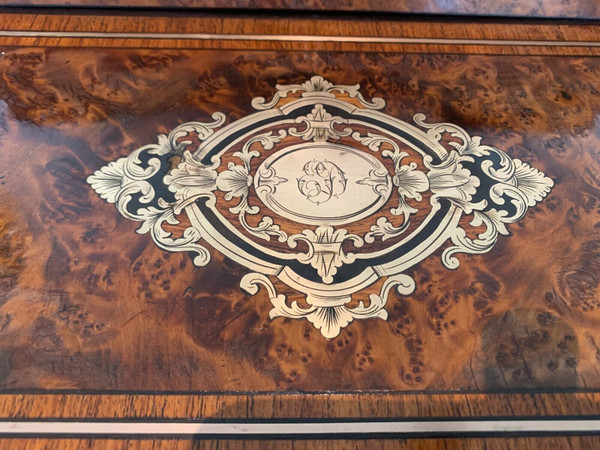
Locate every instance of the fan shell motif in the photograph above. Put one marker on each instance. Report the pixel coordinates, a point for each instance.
(325, 192)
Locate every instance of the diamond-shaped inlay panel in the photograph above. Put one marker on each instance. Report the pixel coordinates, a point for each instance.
(280, 190)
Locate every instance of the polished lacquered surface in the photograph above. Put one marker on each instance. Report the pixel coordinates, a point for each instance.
(91, 304)
(579, 9)
(100, 322)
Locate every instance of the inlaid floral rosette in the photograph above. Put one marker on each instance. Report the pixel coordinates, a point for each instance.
(323, 191)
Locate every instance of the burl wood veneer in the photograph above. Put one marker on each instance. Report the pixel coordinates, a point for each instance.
(96, 322)
(90, 304)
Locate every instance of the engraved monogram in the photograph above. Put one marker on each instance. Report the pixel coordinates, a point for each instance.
(321, 181)
(284, 190)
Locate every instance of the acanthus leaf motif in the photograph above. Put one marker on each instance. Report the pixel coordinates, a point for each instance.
(451, 180)
(329, 319)
(237, 180)
(523, 184)
(135, 188)
(320, 86)
(340, 183)
(320, 126)
(325, 252)
(411, 183)
(191, 178)
(385, 230)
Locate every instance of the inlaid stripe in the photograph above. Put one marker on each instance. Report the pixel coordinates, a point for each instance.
(297, 38)
(359, 428)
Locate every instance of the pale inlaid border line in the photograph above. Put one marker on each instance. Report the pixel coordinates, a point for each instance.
(282, 429)
(296, 38)
(356, 428)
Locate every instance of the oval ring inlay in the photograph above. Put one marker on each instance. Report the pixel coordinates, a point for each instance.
(323, 183)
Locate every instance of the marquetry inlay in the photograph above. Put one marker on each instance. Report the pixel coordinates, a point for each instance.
(322, 191)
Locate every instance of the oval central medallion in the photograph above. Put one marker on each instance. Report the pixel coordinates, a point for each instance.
(325, 183)
(322, 183)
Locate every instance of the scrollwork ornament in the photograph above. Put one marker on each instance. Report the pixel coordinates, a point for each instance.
(320, 126)
(236, 182)
(317, 85)
(523, 184)
(325, 252)
(122, 180)
(309, 165)
(329, 319)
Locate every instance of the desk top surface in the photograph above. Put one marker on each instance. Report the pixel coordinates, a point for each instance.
(303, 218)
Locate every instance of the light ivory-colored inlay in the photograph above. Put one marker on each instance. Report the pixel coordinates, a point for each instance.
(298, 38)
(323, 183)
(448, 427)
(320, 184)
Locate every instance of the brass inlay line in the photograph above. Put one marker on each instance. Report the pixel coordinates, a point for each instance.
(298, 38)
(412, 427)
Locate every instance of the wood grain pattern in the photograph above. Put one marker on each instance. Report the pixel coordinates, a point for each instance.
(227, 24)
(514, 39)
(582, 9)
(95, 306)
(517, 443)
(281, 405)
(86, 303)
